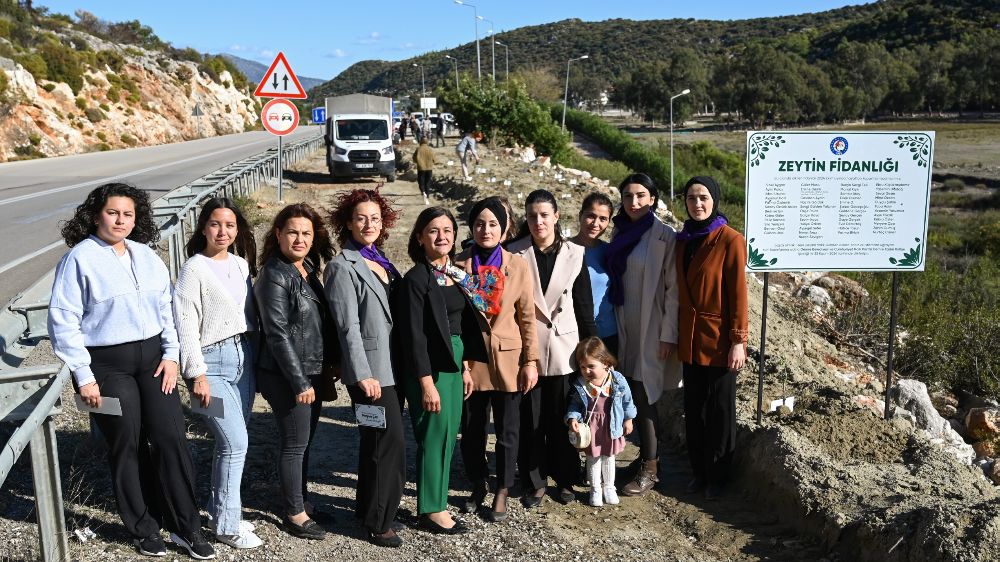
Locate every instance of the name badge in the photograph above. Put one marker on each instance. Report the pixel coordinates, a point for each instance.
(370, 416)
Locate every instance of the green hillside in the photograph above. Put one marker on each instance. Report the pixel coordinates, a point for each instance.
(618, 45)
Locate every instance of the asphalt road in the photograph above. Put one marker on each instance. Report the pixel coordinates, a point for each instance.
(35, 195)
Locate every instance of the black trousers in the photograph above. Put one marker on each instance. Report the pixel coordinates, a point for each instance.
(296, 427)
(544, 447)
(710, 420)
(381, 462)
(645, 422)
(151, 470)
(506, 423)
(424, 181)
(611, 342)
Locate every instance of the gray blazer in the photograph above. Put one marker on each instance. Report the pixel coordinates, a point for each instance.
(361, 317)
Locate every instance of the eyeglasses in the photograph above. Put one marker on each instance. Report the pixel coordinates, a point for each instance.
(374, 221)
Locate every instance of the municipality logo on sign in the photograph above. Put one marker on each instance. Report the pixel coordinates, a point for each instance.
(838, 146)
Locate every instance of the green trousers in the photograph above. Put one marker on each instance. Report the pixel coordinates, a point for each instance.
(436, 434)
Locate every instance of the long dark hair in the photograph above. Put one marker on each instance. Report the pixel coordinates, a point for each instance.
(413, 248)
(244, 246)
(342, 214)
(84, 221)
(321, 250)
(643, 180)
(541, 196)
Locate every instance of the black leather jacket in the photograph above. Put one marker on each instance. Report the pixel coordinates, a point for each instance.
(294, 319)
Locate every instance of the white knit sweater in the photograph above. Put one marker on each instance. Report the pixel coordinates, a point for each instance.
(205, 312)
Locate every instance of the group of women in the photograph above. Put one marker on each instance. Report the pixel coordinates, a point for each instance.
(488, 328)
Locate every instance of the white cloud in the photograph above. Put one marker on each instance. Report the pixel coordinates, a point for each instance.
(336, 54)
(369, 39)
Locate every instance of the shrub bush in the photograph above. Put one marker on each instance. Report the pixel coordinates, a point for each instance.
(111, 59)
(94, 114)
(101, 136)
(48, 87)
(953, 184)
(103, 147)
(128, 139)
(81, 103)
(34, 64)
(105, 107)
(63, 65)
(114, 94)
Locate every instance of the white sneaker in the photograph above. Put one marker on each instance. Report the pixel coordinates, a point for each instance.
(610, 496)
(246, 539)
(246, 526)
(596, 500)
(426, 201)
(468, 178)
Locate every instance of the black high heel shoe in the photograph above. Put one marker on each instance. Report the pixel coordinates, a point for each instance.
(495, 515)
(427, 524)
(473, 502)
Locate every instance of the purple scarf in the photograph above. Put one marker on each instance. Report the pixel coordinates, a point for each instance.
(627, 236)
(697, 229)
(371, 253)
(495, 259)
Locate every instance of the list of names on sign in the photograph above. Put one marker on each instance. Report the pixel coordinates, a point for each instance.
(836, 201)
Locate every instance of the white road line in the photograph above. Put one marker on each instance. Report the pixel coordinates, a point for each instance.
(126, 174)
(31, 256)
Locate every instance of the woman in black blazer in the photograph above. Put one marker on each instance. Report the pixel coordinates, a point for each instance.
(435, 311)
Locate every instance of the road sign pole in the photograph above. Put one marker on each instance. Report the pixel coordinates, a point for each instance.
(280, 170)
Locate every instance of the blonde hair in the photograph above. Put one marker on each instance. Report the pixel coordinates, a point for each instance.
(594, 347)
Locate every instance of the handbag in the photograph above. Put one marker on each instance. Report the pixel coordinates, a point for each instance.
(581, 438)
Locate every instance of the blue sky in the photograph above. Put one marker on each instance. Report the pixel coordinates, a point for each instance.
(320, 39)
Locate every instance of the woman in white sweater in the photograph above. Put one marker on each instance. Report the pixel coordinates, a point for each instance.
(214, 311)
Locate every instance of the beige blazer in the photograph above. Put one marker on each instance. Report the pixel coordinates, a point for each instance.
(510, 335)
(659, 318)
(555, 319)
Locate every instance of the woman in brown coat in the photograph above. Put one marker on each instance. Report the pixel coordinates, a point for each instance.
(508, 368)
(713, 332)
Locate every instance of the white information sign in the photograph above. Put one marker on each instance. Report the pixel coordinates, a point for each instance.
(837, 201)
(428, 103)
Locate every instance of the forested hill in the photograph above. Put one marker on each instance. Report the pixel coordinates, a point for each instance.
(618, 47)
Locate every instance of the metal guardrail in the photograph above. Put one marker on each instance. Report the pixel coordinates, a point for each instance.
(32, 394)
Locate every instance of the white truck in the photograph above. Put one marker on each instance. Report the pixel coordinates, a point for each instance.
(358, 137)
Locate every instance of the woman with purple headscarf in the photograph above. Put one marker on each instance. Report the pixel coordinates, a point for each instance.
(713, 332)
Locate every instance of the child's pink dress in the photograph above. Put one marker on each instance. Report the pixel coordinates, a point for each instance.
(601, 443)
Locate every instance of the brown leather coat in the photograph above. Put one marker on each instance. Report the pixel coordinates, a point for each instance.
(713, 298)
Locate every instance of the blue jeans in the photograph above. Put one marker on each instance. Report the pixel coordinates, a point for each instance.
(231, 378)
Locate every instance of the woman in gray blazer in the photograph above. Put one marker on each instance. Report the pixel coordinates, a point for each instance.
(359, 283)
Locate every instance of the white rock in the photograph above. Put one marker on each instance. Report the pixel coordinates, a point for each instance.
(912, 395)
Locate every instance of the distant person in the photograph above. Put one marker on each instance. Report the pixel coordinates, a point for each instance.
(360, 286)
(466, 146)
(640, 264)
(294, 321)
(404, 124)
(439, 132)
(424, 158)
(111, 322)
(595, 218)
(601, 400)
(415, 128)
(713, 332)
(216, 319)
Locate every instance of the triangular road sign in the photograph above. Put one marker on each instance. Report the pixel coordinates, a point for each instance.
(280, 82)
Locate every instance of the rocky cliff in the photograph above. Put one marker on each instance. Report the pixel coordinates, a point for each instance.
(148, 98)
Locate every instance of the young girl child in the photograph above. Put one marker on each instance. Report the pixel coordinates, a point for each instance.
(602, 400)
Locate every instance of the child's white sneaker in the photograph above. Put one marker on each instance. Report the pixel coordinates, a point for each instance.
(596, 499)
(610, 495)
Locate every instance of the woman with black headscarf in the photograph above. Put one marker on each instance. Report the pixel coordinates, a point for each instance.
(713, 332)
(501, 286)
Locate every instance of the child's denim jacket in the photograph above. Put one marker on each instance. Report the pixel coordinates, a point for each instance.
(622, 406)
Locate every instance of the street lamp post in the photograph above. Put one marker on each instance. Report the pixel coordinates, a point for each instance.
(475, 13)
(566, 92)
(506, 60)
(454, 60)
(685, 92)
(493, 46)
(423, 84)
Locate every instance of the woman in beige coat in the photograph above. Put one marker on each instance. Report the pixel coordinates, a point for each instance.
(643, 290)
(507, 367)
